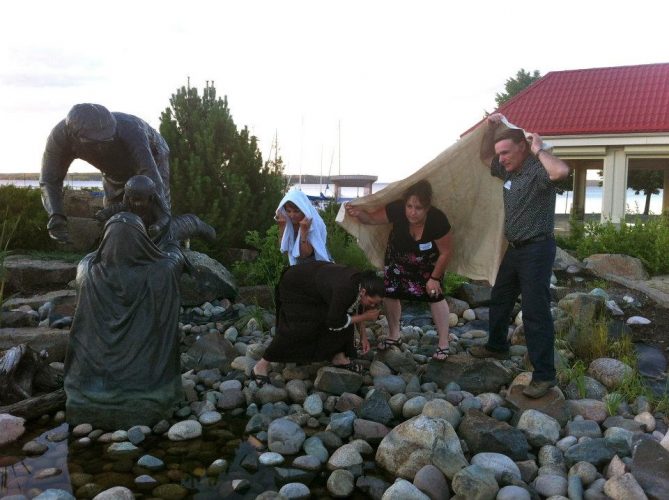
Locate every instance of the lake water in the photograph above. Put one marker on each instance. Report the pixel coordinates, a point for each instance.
(593, 195)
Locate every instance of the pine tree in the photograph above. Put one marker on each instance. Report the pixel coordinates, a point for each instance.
(217, 171)
(515, 85)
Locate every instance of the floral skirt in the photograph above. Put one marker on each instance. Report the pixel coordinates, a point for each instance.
(406, 274)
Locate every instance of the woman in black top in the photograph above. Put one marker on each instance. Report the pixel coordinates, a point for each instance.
(416, 257)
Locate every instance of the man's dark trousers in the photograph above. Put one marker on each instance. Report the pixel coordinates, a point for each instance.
(527, 270)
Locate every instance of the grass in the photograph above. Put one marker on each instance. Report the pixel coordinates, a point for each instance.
(576, 374)
(452, 282)
(6, 232)
(612, 401)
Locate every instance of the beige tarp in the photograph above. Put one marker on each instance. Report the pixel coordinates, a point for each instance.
(470, 197)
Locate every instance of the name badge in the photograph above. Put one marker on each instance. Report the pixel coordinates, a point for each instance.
(507, 185)
(425, 246)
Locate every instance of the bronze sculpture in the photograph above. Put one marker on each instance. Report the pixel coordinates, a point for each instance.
(122, 366)
(118, 144)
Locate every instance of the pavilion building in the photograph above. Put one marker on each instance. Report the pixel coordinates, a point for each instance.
(610, 119)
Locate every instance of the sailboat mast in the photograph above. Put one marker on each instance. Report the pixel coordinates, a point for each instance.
(339, 143)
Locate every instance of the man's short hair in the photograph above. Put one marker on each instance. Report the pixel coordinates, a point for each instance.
(515, 134)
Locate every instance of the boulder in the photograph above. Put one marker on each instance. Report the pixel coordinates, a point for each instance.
(26, 275)
(486, 434)
(585, 309)
(563, 260)
(605, 265)
(552, 403)
(211, 350)
(418, 442)
(650, 467)
(471, 374)
(209, 280)
(51, 340)
(475, 294)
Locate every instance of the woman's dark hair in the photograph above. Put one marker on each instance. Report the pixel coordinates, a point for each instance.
(373, 283)
(421, 190)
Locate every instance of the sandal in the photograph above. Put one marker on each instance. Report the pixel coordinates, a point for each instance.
(352, 367)
(388, 342)
(441, 352)
(260, 380)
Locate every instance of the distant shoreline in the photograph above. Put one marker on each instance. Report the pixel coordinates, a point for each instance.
(34, 176)
(97, 177)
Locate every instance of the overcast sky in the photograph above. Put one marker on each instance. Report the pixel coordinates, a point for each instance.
(401, 80)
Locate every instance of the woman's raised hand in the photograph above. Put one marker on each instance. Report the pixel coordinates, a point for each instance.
(352, 211)
(305, 224)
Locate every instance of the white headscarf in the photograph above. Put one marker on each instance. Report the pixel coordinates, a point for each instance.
(317, 235)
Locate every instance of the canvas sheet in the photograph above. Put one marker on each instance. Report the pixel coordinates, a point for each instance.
(465, 191)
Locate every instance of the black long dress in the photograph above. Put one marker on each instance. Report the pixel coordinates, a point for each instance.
(314, 302)
(122, 366)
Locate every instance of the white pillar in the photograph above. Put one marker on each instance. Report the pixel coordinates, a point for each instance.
(615, 185)
(665, 192)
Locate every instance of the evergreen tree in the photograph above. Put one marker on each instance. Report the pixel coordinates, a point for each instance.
(217, 171)
(515, 85)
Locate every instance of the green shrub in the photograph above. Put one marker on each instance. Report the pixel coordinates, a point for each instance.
(23, 209)
(6, 232)
(452, 282)
(648, 241)
(342, 246)
(266, 269)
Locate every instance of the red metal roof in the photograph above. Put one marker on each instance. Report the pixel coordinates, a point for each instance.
(616, 100)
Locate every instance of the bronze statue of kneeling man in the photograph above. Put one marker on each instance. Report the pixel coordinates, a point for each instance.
(122, 366)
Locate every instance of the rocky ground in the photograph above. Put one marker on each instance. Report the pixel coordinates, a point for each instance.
(407, 428)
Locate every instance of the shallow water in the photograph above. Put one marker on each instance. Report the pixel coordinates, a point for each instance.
(71, 467)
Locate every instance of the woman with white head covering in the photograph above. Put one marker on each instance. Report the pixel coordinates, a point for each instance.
(302, 232)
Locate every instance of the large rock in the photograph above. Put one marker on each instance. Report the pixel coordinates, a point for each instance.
(471, 374)
(11, 428)
(262, 295)
(589, 409)
(210, 351)
(610, 372)
(210, 280)
(475, 483)
(624, 487)
(485, 434)
(605, 265)
(585, 309)
(563, 260)
(26, 275)
(650, 467)
(475, 294)
(337, 380)
(36, 301)
(539, 428)
(285, 436)
(418, 442)
(403, 490)
(84, 234)
(552, 403)
(52, 340)
(595, 451)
